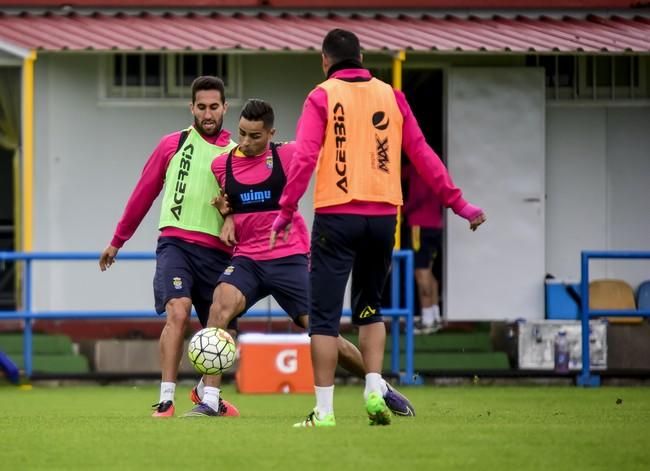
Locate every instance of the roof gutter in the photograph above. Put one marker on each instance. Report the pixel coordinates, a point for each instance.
(13, 49)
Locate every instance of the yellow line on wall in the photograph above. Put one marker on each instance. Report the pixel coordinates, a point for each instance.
(28, 152)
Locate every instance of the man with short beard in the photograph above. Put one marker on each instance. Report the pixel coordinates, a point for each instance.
(190, 257)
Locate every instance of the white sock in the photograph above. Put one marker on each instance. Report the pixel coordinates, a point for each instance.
(200, 388)
(167, 391)
(430, 314)
(211, 397)
(373, 384)
(324, 400)
(383, 387)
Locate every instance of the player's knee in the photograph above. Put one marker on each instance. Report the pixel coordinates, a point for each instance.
(303, 321)
(222, 313)
(178, 312)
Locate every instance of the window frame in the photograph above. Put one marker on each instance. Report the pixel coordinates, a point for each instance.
(169, 88)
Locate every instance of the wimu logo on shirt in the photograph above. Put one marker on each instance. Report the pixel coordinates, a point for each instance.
(253, 196)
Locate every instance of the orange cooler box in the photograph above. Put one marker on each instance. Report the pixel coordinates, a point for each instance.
(274, 363)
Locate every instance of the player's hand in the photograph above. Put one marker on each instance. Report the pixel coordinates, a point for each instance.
(281, 225)
(222, 204)
(227, 234)
(107, 258)
(477, 221)
(474, 215)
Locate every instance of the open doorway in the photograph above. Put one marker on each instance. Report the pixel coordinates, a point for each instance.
(10, 93)
(7, 273)
(424, 90)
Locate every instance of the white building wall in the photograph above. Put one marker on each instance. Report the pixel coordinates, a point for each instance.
(89, 155)
(598, 172)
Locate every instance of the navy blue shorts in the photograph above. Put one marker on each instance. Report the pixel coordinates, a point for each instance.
(344, 243)
(426, 244)
(286, 279)
(185, 270)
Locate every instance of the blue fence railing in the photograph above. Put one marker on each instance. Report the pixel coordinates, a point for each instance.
(586, 378)
(402, 304)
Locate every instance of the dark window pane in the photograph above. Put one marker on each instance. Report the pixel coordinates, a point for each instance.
(566, 69)
(223, 73)
(210, 63)
(626, 71)
(117, 70)
(558, 71)
(548, 63)
(133, 70)
(152, 76)
(603, 71)
(190, 69)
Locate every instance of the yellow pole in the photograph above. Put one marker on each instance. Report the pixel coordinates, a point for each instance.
(398, 59)
(28, 153)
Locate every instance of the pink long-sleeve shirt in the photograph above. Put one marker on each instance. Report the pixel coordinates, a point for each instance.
(421, 207)
(252, 229)
(148, 188)
(310, 136)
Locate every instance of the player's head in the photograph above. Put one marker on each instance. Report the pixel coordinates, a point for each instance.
(340, 45)
(255, 127)
(208, 104)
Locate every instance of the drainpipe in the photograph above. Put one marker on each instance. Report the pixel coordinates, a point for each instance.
(398, 59)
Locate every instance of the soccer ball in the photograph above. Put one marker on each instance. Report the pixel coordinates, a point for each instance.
(212, 351)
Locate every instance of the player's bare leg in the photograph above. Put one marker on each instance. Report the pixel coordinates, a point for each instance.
(171, 348)
(427, 286)
(351, 360)
(227, 303)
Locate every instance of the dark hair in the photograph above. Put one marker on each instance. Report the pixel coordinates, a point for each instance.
(258, 110)
(208, 82)
(340, 45)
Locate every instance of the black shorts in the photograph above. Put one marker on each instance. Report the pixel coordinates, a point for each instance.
(344, 243)
(426, 244)
(185, 270)
(286, 279)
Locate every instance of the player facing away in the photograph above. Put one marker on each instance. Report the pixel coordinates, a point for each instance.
(424, 219)
(355, 126)
(190, 257)
(253, 176)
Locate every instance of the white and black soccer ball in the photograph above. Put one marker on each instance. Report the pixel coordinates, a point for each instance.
(212, 351)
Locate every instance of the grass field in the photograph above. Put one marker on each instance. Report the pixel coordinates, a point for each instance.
(472, 427)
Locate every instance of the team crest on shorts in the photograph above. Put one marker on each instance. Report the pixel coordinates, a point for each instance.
(177, 282)
(229, 270)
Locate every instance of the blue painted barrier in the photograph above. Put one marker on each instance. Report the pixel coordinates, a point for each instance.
(402, 269)
(586, 378)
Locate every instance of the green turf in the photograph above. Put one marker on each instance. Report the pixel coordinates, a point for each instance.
(473, 427)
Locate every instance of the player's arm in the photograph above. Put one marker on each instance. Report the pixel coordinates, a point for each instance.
(432, 169)
(146, 190)
(310, 135)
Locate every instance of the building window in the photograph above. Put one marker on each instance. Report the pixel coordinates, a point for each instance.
(612, 71)
(592, 78)
(168, 75)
